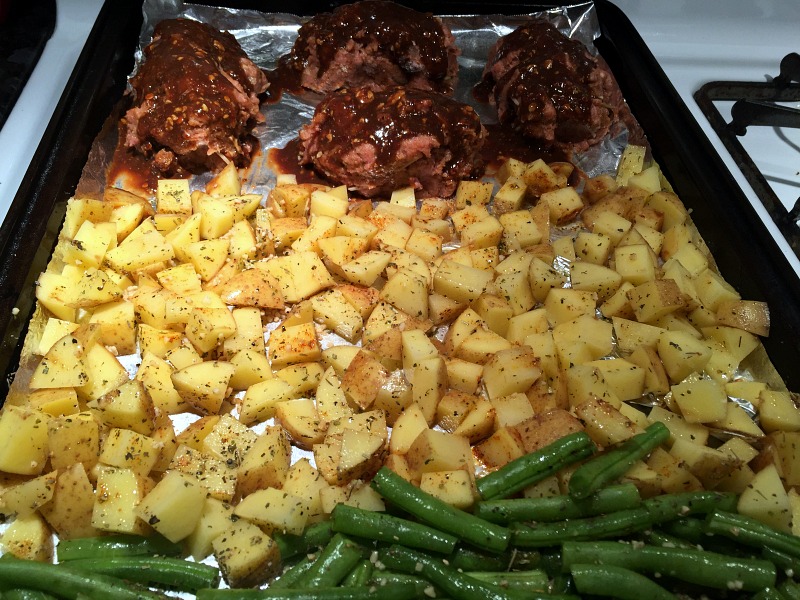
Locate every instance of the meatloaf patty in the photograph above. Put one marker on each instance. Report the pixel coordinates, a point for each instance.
(195, 99)
(373, 43)
(378, 141)
(552, 89)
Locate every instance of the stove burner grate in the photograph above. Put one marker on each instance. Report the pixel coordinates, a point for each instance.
(756, 104)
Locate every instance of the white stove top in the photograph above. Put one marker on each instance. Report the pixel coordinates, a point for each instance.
(695, 41)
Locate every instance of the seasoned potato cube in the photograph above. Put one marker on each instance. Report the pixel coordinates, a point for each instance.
(778, 412)
(25, 498)
(274, 510)
(700, 401)
(566, 304)
(217, 478)
(511, 370)
(349, 455)
(204, 385)
(564, 203)
(625, 378)
(635, 263)
(128, 449)
(655, 299)
(252, 287)
(173, 507)
(459, 282)
(293, 344)
(454, 487)
(440, 451)
(362, 379)
(545, 428)
(69, 512)
(300, 419)
(503, 446)
(749, 315)
(515, 287)
(246, 555)
(605, 424)
(266, 463)
(766, 500)
(682, 354)
(593, 247)
(678, 427)
(74, 439)
(29, 538)
(408, 292)
(119, 492)
(595, 278)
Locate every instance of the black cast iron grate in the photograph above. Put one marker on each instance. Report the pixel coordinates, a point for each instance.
(756, 104)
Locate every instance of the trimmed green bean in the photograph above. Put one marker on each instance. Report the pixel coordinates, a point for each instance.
(315, 536)
(360, 574)
(530, 581)
(117, 545)
(452, 582)
(387, 528)
(701, 567)
(557, 508)
(439, 514)
(620, 523)
(768, 593)
(659, 538)
(694, 530)
(616, 582)
(790, 590)
(535, 466)
(176, 573)
(26, 595)
(69, 582)
(336, 560)
(748, 531)
(668, 507)
(291, 576)
(467, 558)
(394, 591)
(609, 466)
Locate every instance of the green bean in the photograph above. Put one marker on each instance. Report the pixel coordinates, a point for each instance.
(333, 564)
(556, 508)
(616, 582)
(439, 514)
(535, 466)
(387, 528)
(117, 545)
(531, 581)
(291, 576)
(709, 569)
(788, 563)
(609, 466)
(25, 595)
(314, 537)
(768, 593)
(748, 531)
(655, 537)
(359, 575)
(620, 523)
(69, 582)
(452, 582)
(695, 531)
(668, 507)
(176, 573)
(467, 558)
(395, 591)
(790, 590)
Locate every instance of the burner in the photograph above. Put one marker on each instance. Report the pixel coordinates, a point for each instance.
(23, 34)
(758, 104)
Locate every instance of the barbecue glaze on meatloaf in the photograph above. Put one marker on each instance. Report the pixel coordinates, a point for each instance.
(373, 43)
(195, 99)
(375, 142)
(552, 89)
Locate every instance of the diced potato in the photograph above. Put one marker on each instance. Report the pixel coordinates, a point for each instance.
(216, 477)
(69, 512)
(510, 370)
(300, 419)
(682, 354)
(605, 424)
(274, 510)
(119, 492)
(29, 538)
(216, 518)
(174, 506)
(266, 463)
(434, 450)
(246, 555)
(766, 500)
(204, 385)
(456, 488)
(25, 434)
(26, 497)
(778, 412)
